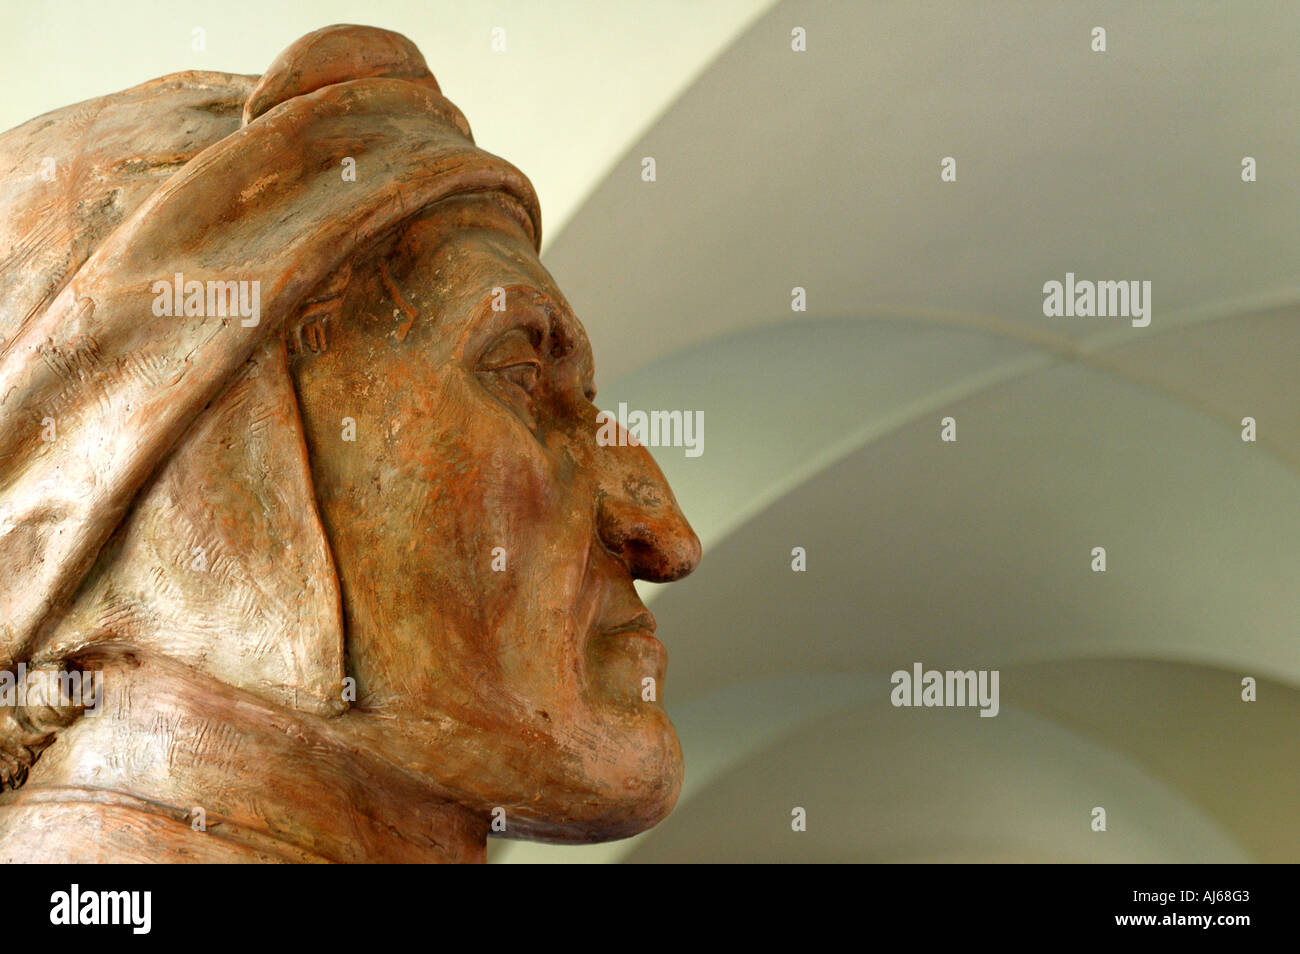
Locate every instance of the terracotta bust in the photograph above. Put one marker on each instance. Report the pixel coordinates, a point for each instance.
(299, 466)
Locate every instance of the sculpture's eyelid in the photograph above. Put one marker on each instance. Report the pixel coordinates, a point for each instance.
(510, 349)
(500, 324)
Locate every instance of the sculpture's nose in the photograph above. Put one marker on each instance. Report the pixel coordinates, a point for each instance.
(638, 519)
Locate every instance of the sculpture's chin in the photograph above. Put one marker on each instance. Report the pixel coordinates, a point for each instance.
(626, 784)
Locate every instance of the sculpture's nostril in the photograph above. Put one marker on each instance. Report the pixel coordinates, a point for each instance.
(656, 547)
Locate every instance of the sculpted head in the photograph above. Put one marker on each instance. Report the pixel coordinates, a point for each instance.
(383, 511)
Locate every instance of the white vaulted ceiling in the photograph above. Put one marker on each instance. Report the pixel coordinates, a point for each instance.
(821, 170)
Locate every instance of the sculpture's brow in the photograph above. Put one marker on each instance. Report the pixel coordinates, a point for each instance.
(566, 327)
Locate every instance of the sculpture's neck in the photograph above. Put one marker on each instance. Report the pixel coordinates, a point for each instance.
(272, 784)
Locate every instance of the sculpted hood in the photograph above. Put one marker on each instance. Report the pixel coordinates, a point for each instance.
(154, 485)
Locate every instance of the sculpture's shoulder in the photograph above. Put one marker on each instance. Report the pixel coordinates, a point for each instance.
(103, 828)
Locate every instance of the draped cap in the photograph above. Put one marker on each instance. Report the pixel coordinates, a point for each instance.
(153, 471)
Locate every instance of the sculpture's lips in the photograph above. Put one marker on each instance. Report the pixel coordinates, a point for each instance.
(641, 623)
(636, 637)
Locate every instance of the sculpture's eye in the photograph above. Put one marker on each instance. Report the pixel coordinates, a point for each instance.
(511, 369)
(523, 375)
